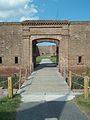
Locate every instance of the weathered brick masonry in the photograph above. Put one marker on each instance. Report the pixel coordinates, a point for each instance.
(47, 50)
(18, 43)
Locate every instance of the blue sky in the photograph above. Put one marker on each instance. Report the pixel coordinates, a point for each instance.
(45, 44)
(20, 10)
(63, 9)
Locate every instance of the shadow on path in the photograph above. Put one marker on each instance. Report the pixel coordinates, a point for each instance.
(56, 109)
(45, 65)
(53, 110)
(50, 110)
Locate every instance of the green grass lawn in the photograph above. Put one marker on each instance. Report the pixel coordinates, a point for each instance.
(39, 58)
(52, 58)
(84, 104)
(8, 108)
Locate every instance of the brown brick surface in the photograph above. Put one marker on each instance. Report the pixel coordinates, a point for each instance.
(72, 38)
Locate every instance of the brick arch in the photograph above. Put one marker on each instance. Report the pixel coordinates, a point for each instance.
(48, 33)
(52, 40)
(45, 39)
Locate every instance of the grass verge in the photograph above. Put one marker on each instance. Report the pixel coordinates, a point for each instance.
(39, 58)
(52, 58)
(8, 107)
(84, 104)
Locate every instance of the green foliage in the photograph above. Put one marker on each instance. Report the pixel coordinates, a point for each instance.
(4, 81)
(8, 107)
(15, 79)
(39, 58)
(77, 82)
(52, 58)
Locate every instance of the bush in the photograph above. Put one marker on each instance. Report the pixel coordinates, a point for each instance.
(77, 82)
(53, 56)
(4, 81)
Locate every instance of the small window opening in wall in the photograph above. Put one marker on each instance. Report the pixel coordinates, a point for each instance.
(16, 60)
(0, 60)
(79, 59)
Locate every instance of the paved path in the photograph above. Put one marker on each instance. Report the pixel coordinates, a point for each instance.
(45, 95)
(45, 84)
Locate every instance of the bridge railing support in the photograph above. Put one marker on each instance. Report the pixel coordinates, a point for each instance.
(10, 87)
(86, 80)
(86, 91)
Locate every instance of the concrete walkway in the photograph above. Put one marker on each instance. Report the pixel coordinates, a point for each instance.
(45, 96)
(45, 84)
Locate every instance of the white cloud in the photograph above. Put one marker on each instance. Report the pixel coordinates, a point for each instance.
(28, 18)
(17, 10)
(8, 4)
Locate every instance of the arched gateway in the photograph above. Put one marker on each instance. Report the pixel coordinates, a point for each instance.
(18, 40)
(46, 31)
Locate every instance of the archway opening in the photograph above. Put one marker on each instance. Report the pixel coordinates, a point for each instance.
(45, 49)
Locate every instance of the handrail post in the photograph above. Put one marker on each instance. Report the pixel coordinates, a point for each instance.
(86, 86)
(70, 79)
(10, 87)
